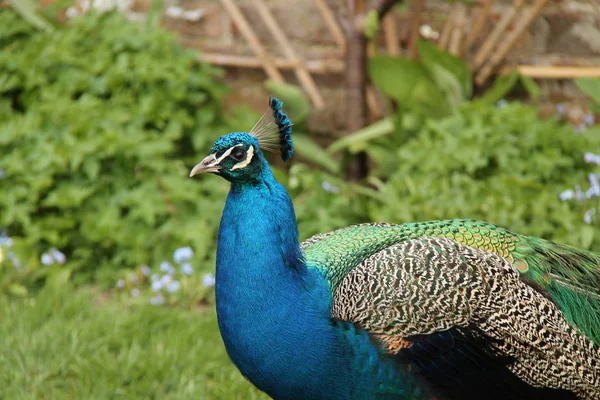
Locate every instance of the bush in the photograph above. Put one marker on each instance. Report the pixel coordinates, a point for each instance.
(100, 122)
(500, 164)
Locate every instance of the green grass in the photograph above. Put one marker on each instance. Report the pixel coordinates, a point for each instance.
(69, 345)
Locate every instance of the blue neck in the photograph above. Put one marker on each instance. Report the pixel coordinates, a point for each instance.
(274, 312)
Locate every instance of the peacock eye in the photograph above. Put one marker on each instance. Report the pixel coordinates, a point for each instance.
(238, 154)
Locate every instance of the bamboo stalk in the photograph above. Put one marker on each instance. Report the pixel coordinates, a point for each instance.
(416, 10)
(551, 72)
(459, 17)
(257, 47)
(391, 35)
(446, 31)
(326, 66)
(302, 73)
(504, 47)
(332, 25)
(477, 25)
(487, 46)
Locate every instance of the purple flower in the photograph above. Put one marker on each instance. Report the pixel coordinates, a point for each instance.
(183, 254)
(561, 109)
(166, 266)
(47, 259)
(145, 270)
(208, 280)
(588, 119)
(594, 189)
(58, 256)
(587, 217)
(120, 284)
(173, 286)
(157, 286)
(157, 300)
(566, 195)
(328, 187)
(591, 158)
(186, 269)
(135, 292)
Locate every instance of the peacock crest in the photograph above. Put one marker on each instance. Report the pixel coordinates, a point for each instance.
(274, 130)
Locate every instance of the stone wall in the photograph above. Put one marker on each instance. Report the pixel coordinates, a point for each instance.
(566, 32)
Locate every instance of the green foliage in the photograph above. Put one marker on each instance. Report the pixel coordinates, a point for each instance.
(502, 165)
(77, 344)
(435, 85)
(100, 123)
(591, 87)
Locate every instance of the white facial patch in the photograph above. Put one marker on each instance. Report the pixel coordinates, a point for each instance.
(247, 161)
(227, 153)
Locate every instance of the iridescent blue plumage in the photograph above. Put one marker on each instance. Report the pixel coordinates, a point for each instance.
(384, 311)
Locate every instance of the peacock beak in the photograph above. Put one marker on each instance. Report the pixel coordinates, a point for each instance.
(209, 164)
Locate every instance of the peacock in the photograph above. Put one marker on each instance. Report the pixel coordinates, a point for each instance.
(449, 309)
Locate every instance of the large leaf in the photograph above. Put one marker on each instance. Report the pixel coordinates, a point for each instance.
(27, 9)
(451, 73)
(590, 86)
(502, 86)
(311, 151)
(357, 141)
(406, 81)
(296, 103)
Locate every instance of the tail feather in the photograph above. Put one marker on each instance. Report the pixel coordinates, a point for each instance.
(572, 277)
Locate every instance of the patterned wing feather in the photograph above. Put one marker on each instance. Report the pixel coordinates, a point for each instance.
(421, 288)
(570, 276)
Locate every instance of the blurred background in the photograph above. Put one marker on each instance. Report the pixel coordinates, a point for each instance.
(403, 110)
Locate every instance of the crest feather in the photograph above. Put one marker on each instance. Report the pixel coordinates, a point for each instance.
(274, 129)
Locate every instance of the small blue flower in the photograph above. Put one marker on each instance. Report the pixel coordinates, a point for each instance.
(157, 300)
(328, 187)
(157, 286)
(120, 284)
(47, 259)
(6, 241)
(186, 269)
(579, 195)
(501, 103)
(154, 277)
(2, 173)
(145, 270)
(588, 119)
(166, 266)
(566, 195)
(134, 279)
(594, 189)
(183, 254)
(16, 263)
(587, 217)
(580, 128)
(58, 256)
(561, 109)
(591, 158)
(208, 280)
(135, 292)
(165, 280)
(173, 286)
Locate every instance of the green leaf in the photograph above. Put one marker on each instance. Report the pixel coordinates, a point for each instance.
(590, 86)
(371, 26)
(311, 151)
(293, 97)
(17, 290)
(450, 72)
(530, 86)
(501, 87)
(27, 9)
(408, 82)
(357, 141)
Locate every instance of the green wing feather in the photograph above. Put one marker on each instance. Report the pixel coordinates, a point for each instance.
(570, 275)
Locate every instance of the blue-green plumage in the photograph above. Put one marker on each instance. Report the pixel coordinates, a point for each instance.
(386, 311)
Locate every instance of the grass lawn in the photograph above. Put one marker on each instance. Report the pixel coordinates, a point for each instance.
(68, 345)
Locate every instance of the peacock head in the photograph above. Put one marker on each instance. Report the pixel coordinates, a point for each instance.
(238, 156)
